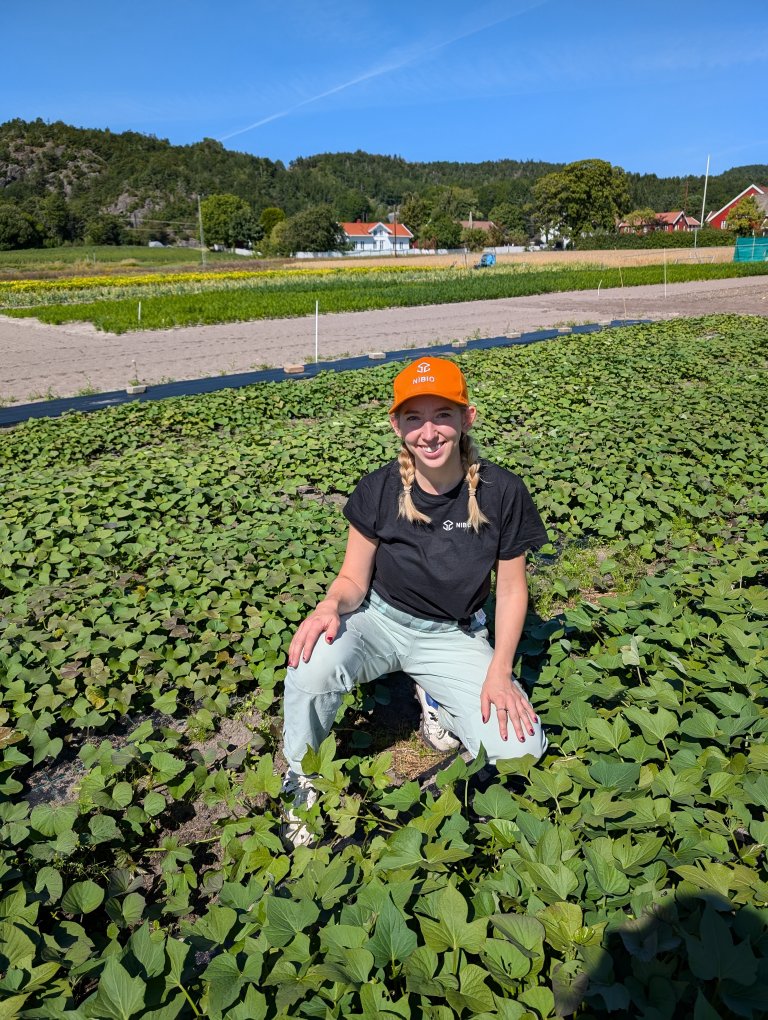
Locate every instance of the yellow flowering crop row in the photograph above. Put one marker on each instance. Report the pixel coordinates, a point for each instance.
(148, 279)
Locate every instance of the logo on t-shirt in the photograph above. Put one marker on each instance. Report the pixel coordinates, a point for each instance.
(450, 525)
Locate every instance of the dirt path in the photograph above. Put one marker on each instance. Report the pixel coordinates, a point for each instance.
(39, 361)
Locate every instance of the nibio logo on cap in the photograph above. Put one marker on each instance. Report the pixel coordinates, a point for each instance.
(423, 368)
(437, 377)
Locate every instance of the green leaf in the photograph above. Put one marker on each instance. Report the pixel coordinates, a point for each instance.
(50, 879)
(119, 996)
(286, 917)
(450, 929)
(714, 955)
(506, 963)
(11, 1008)
(153, 803)
(216, 925)
(262, 779)
(149, 949)
(605, 875)
(473, 994)
(358, 964)
(177, 953)
(420, 968)
(562, 925)
(392, 941)
(495, 802)
(103, 829)
(50, 820)
(165, 766)
(622, 776)
(223, 982)
(403, 851)
(82, 898)
(656, 726)
(16, 948)
(539, 998)
(608, 735)
(703, 1010)
(569, 985)
(525, 931)
(122, 794)
(552, 883)
(133, 908)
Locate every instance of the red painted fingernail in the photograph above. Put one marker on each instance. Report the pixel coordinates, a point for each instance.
(329, 639)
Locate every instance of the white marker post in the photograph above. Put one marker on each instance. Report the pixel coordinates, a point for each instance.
(317, 314)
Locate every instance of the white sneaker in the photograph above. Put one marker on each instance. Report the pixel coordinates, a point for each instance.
(303, 795)
(431, 731)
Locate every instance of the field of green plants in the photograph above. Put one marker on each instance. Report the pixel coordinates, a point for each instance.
(94, 256)
(154, 559)
(123, 303)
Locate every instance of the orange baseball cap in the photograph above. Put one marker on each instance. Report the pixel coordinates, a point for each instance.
(432, 377)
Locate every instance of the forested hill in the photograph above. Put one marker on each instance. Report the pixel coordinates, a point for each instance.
(64, 177)
(97, 171)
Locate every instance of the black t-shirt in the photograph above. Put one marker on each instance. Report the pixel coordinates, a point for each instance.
(442, 570)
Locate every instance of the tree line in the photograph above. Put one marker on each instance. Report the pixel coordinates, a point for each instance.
(65, 185)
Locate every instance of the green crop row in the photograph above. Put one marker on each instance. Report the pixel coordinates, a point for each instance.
(296, 296)
(154, 559)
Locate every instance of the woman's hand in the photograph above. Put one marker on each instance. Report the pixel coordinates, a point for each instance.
(511, 704)
(324, 619)
(500, 688)
(344, 596)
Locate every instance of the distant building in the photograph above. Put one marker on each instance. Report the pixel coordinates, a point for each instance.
(485, 225)
(667, 222)
(719, 220)
(377, 238)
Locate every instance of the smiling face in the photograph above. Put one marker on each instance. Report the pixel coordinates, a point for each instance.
(431, 429)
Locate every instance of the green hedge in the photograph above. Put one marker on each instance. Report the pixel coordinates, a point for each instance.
(706, 238)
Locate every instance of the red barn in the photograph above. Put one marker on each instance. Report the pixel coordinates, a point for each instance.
(719, 220)
(668, 222)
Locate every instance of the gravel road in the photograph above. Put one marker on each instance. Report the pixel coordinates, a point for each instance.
(40, 361)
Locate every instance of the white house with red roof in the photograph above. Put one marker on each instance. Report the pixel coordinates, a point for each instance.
(719, 220)
(377, 238)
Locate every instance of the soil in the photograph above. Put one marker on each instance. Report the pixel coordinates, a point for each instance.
(39, 361)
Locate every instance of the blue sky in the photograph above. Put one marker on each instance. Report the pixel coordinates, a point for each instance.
(653, 87)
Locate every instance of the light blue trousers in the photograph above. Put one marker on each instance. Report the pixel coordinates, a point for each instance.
(450, 664)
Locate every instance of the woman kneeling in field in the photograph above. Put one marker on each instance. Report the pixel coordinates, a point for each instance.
(426, 531)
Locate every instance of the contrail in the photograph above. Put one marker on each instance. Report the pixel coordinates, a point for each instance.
(377, 72)
(313, 99)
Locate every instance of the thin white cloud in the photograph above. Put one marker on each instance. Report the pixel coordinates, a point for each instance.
(411, 56)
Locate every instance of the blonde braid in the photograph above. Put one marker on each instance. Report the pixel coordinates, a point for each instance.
(470, 462)
(406, 506)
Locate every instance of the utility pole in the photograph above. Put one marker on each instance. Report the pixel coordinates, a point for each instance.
(704, 200)
(703, 206)
(202, 237)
